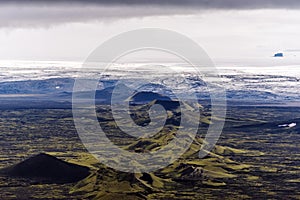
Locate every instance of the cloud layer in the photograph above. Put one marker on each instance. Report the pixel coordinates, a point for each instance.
(20, 13)
(205, 4)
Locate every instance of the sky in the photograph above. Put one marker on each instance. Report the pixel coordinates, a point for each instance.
(226, 29)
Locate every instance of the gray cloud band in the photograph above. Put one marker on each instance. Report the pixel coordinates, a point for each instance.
(215, 4)
(47, 13)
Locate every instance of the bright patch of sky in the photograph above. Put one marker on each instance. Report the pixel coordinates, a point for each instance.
(236, 36)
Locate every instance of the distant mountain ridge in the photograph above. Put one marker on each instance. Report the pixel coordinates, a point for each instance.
(61, 89)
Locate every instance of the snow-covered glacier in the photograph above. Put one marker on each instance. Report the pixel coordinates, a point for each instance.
(251, 84)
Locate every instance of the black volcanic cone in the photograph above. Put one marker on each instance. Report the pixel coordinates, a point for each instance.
(47, 168)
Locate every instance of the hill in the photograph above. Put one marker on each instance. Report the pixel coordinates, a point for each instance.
(47, 168)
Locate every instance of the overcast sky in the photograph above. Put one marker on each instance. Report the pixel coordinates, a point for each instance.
(70, 30)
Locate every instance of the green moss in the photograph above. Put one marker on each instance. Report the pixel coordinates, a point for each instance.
(214, 184)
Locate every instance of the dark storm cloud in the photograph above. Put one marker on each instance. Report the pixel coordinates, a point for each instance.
(19, 13)
(213, 4)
